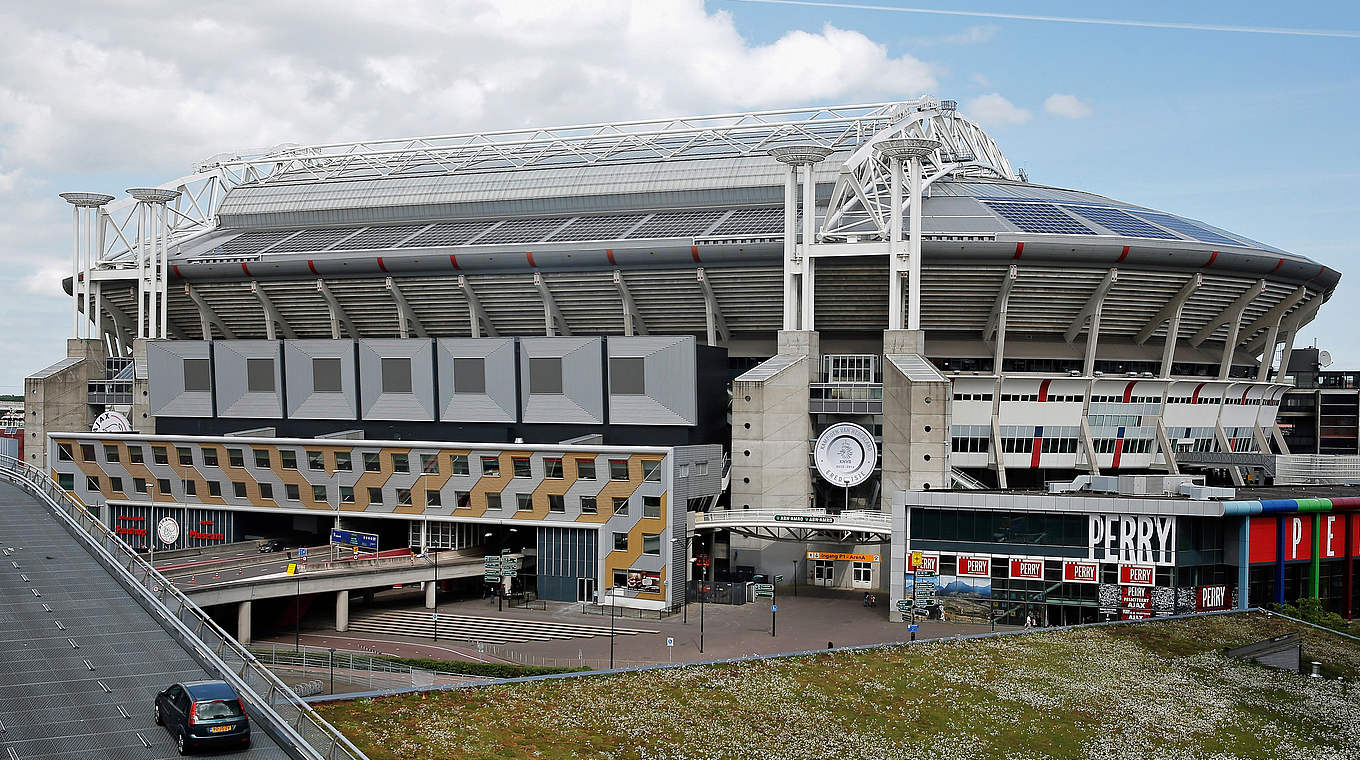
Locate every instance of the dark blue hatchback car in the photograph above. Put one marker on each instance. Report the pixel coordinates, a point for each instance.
(203, 714)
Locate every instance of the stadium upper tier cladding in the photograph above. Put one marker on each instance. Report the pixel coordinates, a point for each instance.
(571, 228)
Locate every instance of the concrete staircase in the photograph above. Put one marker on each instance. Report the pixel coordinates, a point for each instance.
(482, 629)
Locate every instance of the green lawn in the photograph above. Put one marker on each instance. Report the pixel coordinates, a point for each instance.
(1159, 689)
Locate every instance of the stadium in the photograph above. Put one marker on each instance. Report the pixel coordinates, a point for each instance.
(663, 288)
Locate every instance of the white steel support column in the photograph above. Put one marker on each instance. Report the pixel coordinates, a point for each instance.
(75, 272)
(799, 287)
(912, 150)
(85, 218)
(914, 248)
(153, 258)
(163, 285)
(791, 269)
(807, 319)
(895, 252)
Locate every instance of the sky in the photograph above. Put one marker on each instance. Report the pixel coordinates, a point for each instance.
(1250, 130)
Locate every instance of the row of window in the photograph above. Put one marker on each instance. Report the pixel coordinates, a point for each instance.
(651, 505)
(1131, 445)
(973, 445)
(972, 397)
(430, 464)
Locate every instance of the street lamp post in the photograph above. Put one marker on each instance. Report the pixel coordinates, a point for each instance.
(614, 602)
(436, 595)
(702, 593)
(297, 617)
(332, 664)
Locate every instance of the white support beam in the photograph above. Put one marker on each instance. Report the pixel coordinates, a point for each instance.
(1232, 313)
(123, 326)
(1168, 452)
(1091, 311)
(715, 324)
(632, 318)
(1089, 446)
(478, 320)
(207, 318)
(998, 455)
(553, 321)
(1278, 437)
(1276, 312)
(407, 321)
(1221, 436)
(1290, 324)
(337, 312)
(999, 305)
(272, 316)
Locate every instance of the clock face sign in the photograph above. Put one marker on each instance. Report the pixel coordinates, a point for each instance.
(845, 454)
(167, 530)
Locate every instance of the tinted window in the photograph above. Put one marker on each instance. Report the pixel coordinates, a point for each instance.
(625, 376)
(469, 376)
(260, 375)
(396, 375)
(197, 375)
(326, 375)
(545, 375)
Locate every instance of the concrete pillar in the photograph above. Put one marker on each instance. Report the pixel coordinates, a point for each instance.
(243, 622)
(342, 611)
(430, 590)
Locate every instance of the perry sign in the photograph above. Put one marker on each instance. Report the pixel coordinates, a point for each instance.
(1140, 539)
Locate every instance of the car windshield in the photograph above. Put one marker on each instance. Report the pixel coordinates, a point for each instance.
(212, 710)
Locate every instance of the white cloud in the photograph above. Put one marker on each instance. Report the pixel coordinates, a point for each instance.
(980, 80)
(994, 109)
(970, 36)
(116, 96)
(46, 281)
(1068, 106)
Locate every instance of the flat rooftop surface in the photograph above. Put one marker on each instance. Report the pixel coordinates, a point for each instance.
(80, 652)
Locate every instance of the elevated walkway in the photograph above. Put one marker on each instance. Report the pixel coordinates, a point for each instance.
(854, 526)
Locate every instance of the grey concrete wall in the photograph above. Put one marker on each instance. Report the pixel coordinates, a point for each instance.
(56, 399)
(916, 428)
(499, 401)
(669, 392)
(770, 431)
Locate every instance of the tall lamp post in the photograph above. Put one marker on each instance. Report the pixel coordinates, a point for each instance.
(685, 609)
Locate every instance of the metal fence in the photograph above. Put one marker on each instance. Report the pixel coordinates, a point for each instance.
(353, 671)
(284, 715)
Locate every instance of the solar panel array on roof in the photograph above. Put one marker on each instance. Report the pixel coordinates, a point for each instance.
(597, 227)
(1120, 222)
(449, 233)
(252, 242)
(380, 237)
(1039, 217)
(312, 240)
(678, 224)
(1188, 229)
(752, 221)
(521, 231)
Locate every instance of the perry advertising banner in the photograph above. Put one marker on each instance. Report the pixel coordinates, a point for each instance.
(1137, 575)
(1027, 569)
(976, 567)
(1081, 572)
(1265, 537)
(839, 557)
(929, 563)
(1141, 539)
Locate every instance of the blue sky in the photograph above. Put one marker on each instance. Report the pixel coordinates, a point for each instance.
(1251, 132)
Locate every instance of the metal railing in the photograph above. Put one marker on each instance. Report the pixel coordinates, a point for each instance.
(855, 519)
(355, 670)
(286, 717)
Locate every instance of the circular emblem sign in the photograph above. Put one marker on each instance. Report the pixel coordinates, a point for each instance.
(167, 530)
(845, 454)
(111, 422)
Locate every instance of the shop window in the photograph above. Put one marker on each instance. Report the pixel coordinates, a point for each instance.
(260, 375)
(396, 375)
(585, 469)
(326, 375)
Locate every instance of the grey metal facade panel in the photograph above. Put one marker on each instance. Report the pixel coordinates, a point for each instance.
(417, 405)
(669, 383)
(305, 401)
(230, 382)
(500, 401)
(166, 378)
(581, 399)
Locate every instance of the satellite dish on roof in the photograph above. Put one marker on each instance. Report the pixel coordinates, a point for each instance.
(1324, 358)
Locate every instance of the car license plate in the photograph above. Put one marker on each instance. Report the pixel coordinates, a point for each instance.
(219, 729)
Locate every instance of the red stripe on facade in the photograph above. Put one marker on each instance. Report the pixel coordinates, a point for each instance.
(381, 265)
(1210, 262)
(175, 268)
(609, 253)
(1128, 391)
(1019, 249)
(1118, 451)
(1034, 455)
(245, 269)
(1244, 395)
(1123, 255)
(1043, 390)
(454, 261)
(694, 252)
(1194, 397)
(530, 256)
(312, 266)
(1278, 264)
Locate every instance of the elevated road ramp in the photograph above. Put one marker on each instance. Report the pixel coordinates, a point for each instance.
(89, 633)
(859, 526)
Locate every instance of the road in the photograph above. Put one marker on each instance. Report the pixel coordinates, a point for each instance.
(80, 661)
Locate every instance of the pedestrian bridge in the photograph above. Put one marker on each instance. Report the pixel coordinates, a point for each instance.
(860, 526)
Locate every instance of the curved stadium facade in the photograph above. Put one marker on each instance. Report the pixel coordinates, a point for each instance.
(879, 264)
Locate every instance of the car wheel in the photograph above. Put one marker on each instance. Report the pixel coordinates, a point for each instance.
(159, 720)
(181, 744)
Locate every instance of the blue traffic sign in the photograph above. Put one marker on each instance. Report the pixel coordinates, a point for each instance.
(354, 538)
(774, 608)
(913, 628)
(302, 552)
